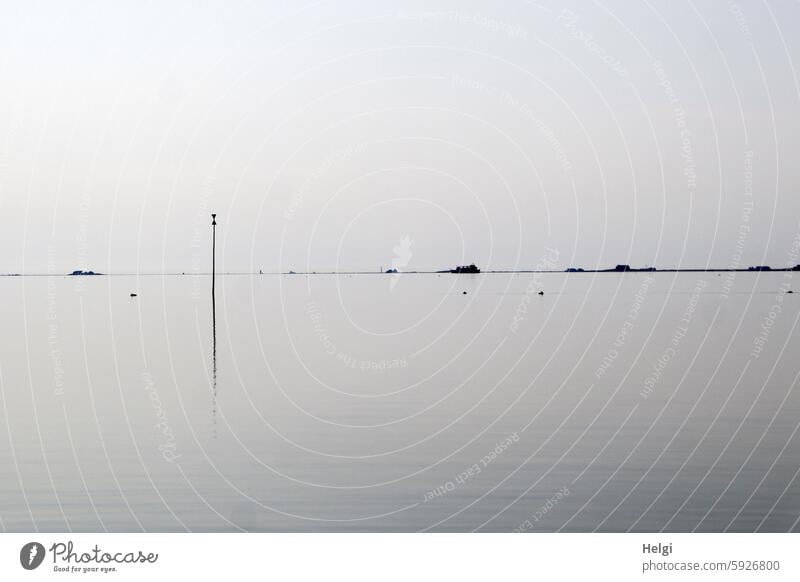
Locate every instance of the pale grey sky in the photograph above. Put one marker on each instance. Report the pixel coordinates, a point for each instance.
(325, 133)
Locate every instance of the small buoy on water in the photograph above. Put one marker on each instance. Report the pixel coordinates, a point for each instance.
(463, 292)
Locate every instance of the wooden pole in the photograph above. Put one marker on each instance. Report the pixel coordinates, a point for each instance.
(213, 253)
(214, 320)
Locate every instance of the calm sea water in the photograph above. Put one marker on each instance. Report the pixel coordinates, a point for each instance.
(639, 402)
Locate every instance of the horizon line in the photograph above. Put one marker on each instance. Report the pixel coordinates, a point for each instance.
(568, 270)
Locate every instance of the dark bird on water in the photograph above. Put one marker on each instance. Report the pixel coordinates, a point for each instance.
(134, 295)
(541, 292)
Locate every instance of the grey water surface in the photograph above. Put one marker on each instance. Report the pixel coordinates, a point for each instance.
(612, 402)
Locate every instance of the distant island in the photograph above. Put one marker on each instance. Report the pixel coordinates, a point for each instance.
(471, 269)
(629, 269)
(80, 273)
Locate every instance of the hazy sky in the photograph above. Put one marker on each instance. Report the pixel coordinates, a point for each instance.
(326, 133)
